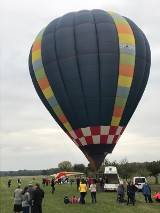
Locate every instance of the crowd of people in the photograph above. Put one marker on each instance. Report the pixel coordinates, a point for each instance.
(30, 198)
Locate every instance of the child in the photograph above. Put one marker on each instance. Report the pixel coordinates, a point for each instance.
(66, 200)
(74, 199)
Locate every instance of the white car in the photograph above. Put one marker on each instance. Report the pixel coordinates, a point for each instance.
(139, 182)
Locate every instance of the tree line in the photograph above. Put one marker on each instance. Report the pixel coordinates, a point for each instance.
(126, 170)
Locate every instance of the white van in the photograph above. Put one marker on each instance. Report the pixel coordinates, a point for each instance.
(112, 178)
(139, 182)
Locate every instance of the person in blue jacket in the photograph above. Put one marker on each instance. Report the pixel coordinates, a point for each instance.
(146, 190)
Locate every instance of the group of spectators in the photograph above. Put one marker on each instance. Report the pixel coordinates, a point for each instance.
(82, 187)
(62, 180)
(31, 197)
(131, 191)
(28, 198)
(45, 181)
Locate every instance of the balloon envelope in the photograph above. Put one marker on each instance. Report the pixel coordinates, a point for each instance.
(90, 69)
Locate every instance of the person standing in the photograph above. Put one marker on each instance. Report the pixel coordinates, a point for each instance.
(89, 181)
(25, 200)
(120, 193)
(53, 185)
(131, 190)
(30, 190)
(83, 191)
(37, 197)
(9, 182)
(78, 182)
(71, 181)
(19, 181)
(101, 184)
(146, 190)
(93, 191)
(18, 199)
(44, 181)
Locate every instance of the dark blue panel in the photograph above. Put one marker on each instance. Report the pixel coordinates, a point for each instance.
(108, 46)
(69, 70)
(87, 49)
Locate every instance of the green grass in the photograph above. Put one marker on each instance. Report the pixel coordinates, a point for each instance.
(106, 201)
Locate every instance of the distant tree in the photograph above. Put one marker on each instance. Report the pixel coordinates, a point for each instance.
(44, 172)
(125, 169)
(79, 168)
(65, 166)
(154, 169)
(106, 163)
(90, 171)
(143, 173)
(53, 171)
(11, 173)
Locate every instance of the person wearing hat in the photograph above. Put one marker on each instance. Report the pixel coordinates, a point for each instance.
(30, 190)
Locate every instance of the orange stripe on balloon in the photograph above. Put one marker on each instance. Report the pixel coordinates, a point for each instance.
(36, 46)
(124, 29)
(62, 118)
(126, 70)
(43, 83)
(118, 111)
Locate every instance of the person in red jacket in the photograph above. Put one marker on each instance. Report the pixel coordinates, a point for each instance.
(157, 196)
(89, 181)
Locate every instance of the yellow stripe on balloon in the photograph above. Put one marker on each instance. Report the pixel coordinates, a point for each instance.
(36, 55)
(115, 121)
(124, 81)
(48, 93)
(126, 58)
(68, 126)
(126, 38)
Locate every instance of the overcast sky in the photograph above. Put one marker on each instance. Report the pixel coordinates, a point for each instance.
(29, 137)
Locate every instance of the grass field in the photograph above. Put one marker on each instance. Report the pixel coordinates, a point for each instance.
(106, 201)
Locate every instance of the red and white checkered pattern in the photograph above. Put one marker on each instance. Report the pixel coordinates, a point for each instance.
(96, 135)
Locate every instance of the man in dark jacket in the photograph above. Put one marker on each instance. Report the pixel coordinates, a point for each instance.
(53, 185)
(37, 197)
(131, 190)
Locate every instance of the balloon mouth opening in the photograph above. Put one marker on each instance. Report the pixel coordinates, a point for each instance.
(96, 160)
(96, 153)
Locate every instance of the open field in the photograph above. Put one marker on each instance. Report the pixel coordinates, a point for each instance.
(106, 201)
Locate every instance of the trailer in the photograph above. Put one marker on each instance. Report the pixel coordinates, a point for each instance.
(112, 179)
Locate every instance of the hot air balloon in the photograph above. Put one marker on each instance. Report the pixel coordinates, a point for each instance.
(90, 69)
